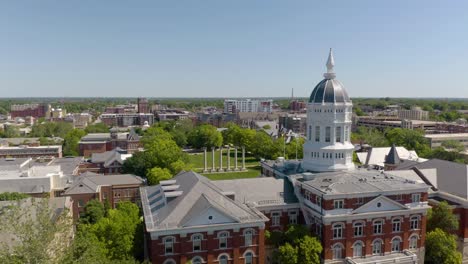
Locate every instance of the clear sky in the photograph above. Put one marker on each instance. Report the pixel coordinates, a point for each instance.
(237, 48)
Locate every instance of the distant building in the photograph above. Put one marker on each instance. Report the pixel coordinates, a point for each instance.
(37, 177)
(415, 113)
(102, 142)
(143, 105)
(248, 105)
(109, 162)
(436, 140)
(172, 114)
(34, 110)
(216, 119)
(127, 119)
(378, 157)
(31, 152)
(294, 122)
(105, 188)
(297, 106)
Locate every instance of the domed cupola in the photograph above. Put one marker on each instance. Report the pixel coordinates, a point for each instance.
(329, 90)
(328, 146)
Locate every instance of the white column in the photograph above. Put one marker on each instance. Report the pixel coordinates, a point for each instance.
(220, 159)
(229, 159)
(205, 169)
(213, 168)
(235, 159)
(243, 158)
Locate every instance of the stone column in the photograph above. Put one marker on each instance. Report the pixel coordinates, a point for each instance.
(205, 169)
(213, 168)
(243, 158)
(228, 159)
(220, 159)
(235, 159)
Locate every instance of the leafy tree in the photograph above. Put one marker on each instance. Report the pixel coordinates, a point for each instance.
(441, 248)
(205, 136)
(441, 217)
(97, 128)
(94, 211)
(453, 145)
(51, 129)
(155, 175)
(441, 153)
(12, 196)
(10, 132)
(309, 250)
(410, 139)
(86, 248)
(295, 245)
(369, 136)
(287, 254)
(295, 146)
(41, 235)
(70, 143)
(117, 232)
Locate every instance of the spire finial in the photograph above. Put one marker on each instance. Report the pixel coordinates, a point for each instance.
(330, 64)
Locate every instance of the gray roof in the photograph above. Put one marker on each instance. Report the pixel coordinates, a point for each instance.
(451, 177)
(392, 156)
(359, 181)
(109, 157)
(90, 182)
(329, 91)
(190, 195)
(260, 191)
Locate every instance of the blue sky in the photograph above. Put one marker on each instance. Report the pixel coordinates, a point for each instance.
(212, 48)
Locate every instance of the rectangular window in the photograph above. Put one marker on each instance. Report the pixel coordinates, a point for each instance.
(358, 229)
(80, 203)
(317, 134)
(414, 222)
(292, 217)
(338, 134)
(310, 133)
(275, 218)
(327, 134)
(378, 227)
(318, 201)
(338, 204)
(337, 231)
(415, 197)
(399, 197)
(396, 225)
(346, 133)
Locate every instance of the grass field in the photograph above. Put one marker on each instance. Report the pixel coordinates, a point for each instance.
(252, 172)
(197, 160)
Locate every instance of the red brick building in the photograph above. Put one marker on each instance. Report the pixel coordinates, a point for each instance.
(111, 188)
(34, 110)
(191, 218)
(102, 142)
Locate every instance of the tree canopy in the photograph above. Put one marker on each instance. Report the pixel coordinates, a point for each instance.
(441, 248)
(205, 136)
(441, 217)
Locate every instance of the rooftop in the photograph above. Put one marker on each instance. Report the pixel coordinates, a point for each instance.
(190, 200)
(358, 181)
(90, 182)
(260, 191)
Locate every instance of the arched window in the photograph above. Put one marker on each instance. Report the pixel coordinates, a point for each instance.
(337, 251)
(413, 242)
(248, 257)
(169, 261)
(248, 234)
(377, 247)
(358, 229)
(338, 134)
(337, 230)
(396, 244)
(223, 239)
(396, 225)
(327, 134)
(197, 260)
(223, 259)
(317, 134)
(357, 249)
(414, 222)
(169, 245)
(197, 242)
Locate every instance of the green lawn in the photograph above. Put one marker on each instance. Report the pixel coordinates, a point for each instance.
(252, 172)
(196, 160)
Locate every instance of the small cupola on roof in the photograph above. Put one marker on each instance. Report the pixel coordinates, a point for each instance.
(329, 90)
